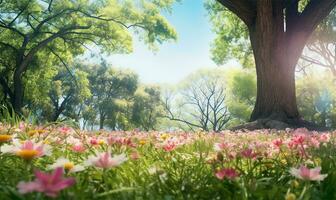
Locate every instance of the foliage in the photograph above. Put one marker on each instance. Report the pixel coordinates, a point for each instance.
(147, 107)
(31, 31)
(57, 92)
(320, 50)
(232, 39)
(242, 93)
(112, 90)
(316, 98)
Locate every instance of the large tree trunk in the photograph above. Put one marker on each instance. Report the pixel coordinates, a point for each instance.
(275, 65)
(278, 32)
(276, 53)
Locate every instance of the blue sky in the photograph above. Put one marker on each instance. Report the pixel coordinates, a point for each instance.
(176, 60)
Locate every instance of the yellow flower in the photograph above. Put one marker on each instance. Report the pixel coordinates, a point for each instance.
(318, 161)
(27, 154)
(34, 132)
(164, 136)
(5, 138)
(295, 184)
(142, 142)
(68, 166)
(290, 196)
(101, 142)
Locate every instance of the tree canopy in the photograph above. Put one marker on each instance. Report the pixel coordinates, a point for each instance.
(65, 28)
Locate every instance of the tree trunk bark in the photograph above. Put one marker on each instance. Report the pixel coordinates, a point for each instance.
(101, 122)
(17, 102)
(275, 59)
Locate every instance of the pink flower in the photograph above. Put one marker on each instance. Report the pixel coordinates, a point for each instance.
(308, 174)
(79, 148)
(277, 143)
(220, 146)
(228, 173)
(248, 153)
(134, 155)
(49, 184)
(169, 146)
(299, 139)
(105, 160)
(324, 137)
(65, 130)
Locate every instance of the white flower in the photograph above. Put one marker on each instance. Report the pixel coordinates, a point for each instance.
(67, 165)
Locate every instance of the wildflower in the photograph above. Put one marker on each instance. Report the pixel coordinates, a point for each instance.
(220, 146)
(164, 136)
(248, 153)
(308, 174)
(299, 139)
(36, 131)
(27, 150)
(142, 142)
(64, 130)
(169, 146)
(67, 165)
(105, 160)
(290, 196)
(228, 173)
(94, 141)
(49, 184)
(5, 138)
(79, 148)
(277, 143)
(134, 155)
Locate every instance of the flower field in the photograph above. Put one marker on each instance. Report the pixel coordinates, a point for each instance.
(64, 163)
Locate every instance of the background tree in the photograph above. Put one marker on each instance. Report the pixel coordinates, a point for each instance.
(201, 102)
(57, 91)
(316, 97)
(147, 107)
(29, 27)
(112, 90)
(241, 83)
(321, 48)
(278, 31)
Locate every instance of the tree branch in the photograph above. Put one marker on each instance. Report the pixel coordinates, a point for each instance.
(314, 12)
(244, 9)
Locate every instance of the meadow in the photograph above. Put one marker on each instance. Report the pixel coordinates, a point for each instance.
(61, 162)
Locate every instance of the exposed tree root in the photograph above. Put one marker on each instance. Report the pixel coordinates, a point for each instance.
(279, 125)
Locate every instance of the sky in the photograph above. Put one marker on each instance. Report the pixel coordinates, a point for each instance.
(174, 60)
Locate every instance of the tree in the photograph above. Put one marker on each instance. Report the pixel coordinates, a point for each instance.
(112, 90)
(321, 47)
(201, 104)
(57, 91)
(278, 31)
(316, 97)
(147, 107)
(242, 92)
(29, 27)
